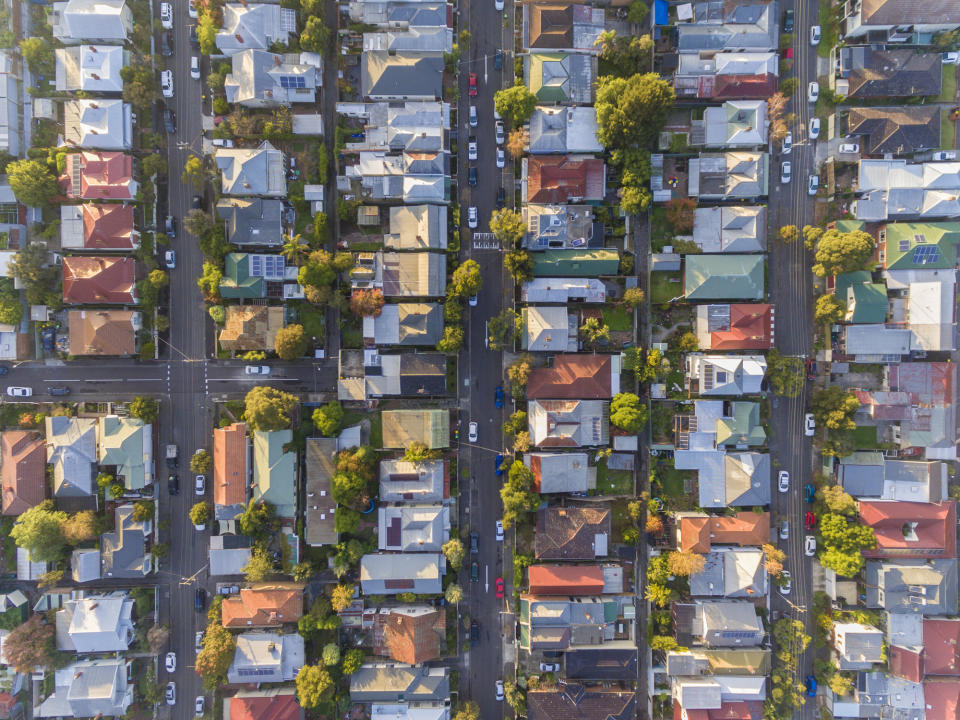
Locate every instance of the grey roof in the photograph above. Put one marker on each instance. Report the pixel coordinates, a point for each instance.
(320, 506)
(867, 474)
(252, 171)
(413, 528)
(730, 228)
(400, 14)
(402, 481)
(413, 75)
(410, 40)
(85, 565)
(861, 474)
(263, 657)
(261, 78)
(406, 324)
(254, 26)
(875, 341)
(389, 574)
(72, 450)
(252, 221)
(562, 472)
(100, 124)
(560, 130)
(91, 688)
(390, 682)
(898, 130)
(123, 550)
(229, 554)
(913, 586)
(422, 274)
(728, 479)
(731, 572)
(728, 622)
(417, 227)
(562, 226)
(600, 664)
(80, 21)
(729, 26)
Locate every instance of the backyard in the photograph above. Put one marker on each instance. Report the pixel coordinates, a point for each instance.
(613, 482)
(618, 318)
(948, 90)
(665, 286)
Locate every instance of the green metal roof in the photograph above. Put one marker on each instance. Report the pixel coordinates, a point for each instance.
(928, 246)
(845, 280)
(122, 444)
(723, 277)
(575, 263)
(547, 76)
(850, 225)
(867, 303)
(743, 428)
(237, 281)
(275, 471)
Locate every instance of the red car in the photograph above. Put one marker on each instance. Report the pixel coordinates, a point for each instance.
(499, 585)
(810, 520)
(472, 91)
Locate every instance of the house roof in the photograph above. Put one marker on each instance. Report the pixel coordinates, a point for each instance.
(229, 554)
(568, 423)
(866, 303)
(275, 471)
(920, 245)
(413, 528)
(402, 427)
(548, 328)
(410, 634)
(23, 470)
(579, 702)
(254, 26)
(572, 533)
(122, 552)
(230, 464)
(889, 73)
(909, 529)
(90, 20)
(99, 124)
(565, 579)
(417, 227)
(729, 175)
(320, 506)
(723, 26)
(252, 171)
(941, 646)
(72, 450)
(736, 326)
(561, 77)
(941, 699)
(560, 129)
(264, 606)
(731, 572)
(918, 12)
(418, 274)
(561, 226)
(98, 176)
(927, 587)
(738, 123)
(98, 227)
(260, 78)
(548, 26)
(895, 130)
(96, 624)
(560, 472)
(98, 280)
(600, 663)
(127, 444)
(252, 221)
(275, 703)
(402, 481)
(576, 376)
(730, 228)
(564, 178)
(712, 277)
(406, 324)
(266, 658)
(699, 532)
(103, 332)
(894, 188)
(251, 327)
(391, 682)
(727, 374)
(403, 75)
(576, 263)
(90, 688)
(391, 574)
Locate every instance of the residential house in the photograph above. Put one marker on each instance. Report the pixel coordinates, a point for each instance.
(126, 444)
(728, 479)
(576, 263)
(735, 326)
(417, 227)
(266, 658)
(718, 424)
(413, 126)
(600, 663)
(392, 574)
(874, 343)
(559, 179)
(857, 646)
(719, 695)
(23, 470)
(85, 565)
(96, 624)
(99, 280)
(386, 76)
(726, 76)
(717, 662)
(263, 606)
(699, 532)
(549, 328)
(871, 475)
(590, 377)
(72, 450)
(556, 26)
(391, 682)
(414, 177)
(562, 290)
(865, 300)
(735, 124)
(411, 39)
(724, 277)
(895, 189)
(93, 69)
(411, 634)
(98, 227)
(731, 573)
(572, 533)
(252, 171)
(402, 427)
(412, 528)
(103, 333)
(561, 226)
(925, 587)
(123, 551)
(561, 78)
(867, 73)
(397, 14)
(252, 221)
(736, 375)
(11, 102)
(254, 26)
(89, 688)
(274, 703)
(229, 554)
(405, 275)
(898, 21)
(566, 580)
(581, 702)
(230, 470)
(99, 176)
(569, 423)
(320, 509)
(923, 646)
(911, 529)
(366, 374)
(719, 27)
(730, 229)
(558, 130)
(402, 481)
(249, 276)
(405, 324)
(895, 130)
(559, 623)
(738, 175)
(909, 250)
(275, 472)
(91, 21)
(98, 124)
(251, 327)
(723, 623)
(261, 79)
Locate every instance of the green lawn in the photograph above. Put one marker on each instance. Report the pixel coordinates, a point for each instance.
(947, 131)
(672, 481)
(313, 322)
(352, 417)
(949, 88)
(829, 21)
(663, 286)
(865, 438)
(617, 318)
(614, 482)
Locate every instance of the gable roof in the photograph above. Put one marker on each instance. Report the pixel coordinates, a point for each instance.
(413, 75)
(98, 176)
(564, 178)
(735, 326)
(123, 551)
(866, 303)
(98, 280)
(565, 579)
(579, 702)
(252, 221)
(409, 634)
(576, 263)
(576, 376)
(91, 20)
(274, 703)
(264, 606)
(600, 663)
(548, 328)
(72, 450)
(96, 624)
(895, 130)
(127, 444)
(560, 472)
(99, 124)
(23, 470)
(230, 464)
(911, 530)
(733, 277)
(568, 423)
(251, 327)
(275, 471)
(402, 481)
(560, 77)
(572, 533)
(417, 274)
(699, 532)
(98, 227)
(252, 171)
(320, 506)
(920, 245)
(413, 528)
(391, 682)
(261, 78)
(103, 332)
(255, 26)
(406, 323)
(730, 229)
(391, 574)
(417, 227)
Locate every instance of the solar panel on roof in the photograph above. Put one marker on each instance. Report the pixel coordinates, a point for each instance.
(926, 254)
(903, 245)
(293, 81)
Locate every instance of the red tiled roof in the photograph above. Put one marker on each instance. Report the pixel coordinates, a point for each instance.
(103, 176)
(738, 87)
(906, 663)
(409, 637)
(108, 227)
(568, 533)
(559, 178)
(282, 706)
(23, 472)
(565, 579)
(574, 376)
(751, 328)
(98, 280)
(699, 532)
(268, 606)
(911, 530)
(102, 332)
(230, 465)
(942, 699)
(941, 647)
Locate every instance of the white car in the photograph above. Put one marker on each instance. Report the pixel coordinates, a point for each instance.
(198, 641)
(198, 706)
(815, 35)
(257, 370)
(814, 128)
(192, 9)
(473, 116)
(849, 148)
(550, 667)
(472, 221)
(13, 391)
(809, 425)
(786, 582)
(809, 546)
(170, 662)
(166, 83)
(501, 158)
(787, 146)
(473, 432)
(498, 4)
(498, 132)
(950, 58)
(472, 149)
(195, 67)
(813, 91)
(946, 155)
(170, 259)
(472, 301)
(499, 689)
(499, 531)
(785, 172)
(171, 693)
(166, 16)
(783, 481)
(813, 182)
(785, 530)
(200, 485)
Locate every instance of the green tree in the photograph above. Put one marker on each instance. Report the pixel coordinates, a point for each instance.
(200, 462)
(38, 530)
(153, 165)
(453, 594)
(519, 263)
(843, 544)
(341, 596)
(291, 342)
(632, 297)
(139, 85)
(315, 36)
(634, 196)
(144, 408)
(318, 270)
(789, 233)
(352, 660)
(143, 510)
(508, 226)
(515, 104)
(517, 493)
(267, 408)
(659, 595)
(294, 249)
(841, 684)
(829, 309)
(313, 684)
(200, 513)
(465, 280)
(454, 551)
(515, 697)
(80, 527)
(625, 54)
(838, 501)
(786, 374)
(330, 655)
(452, 340)
(418, 453)
(207, 34)
(518, 373)
(258, 520)
(637, 11)
(259, 567)
(594, 331)
(631, 111)
(468, 711)
(348, 488)
(11, 309)
(367, 303)
(328, 418)
(158, 278)
(628, 413)
(38, 54)
(834, 408)
(686, 563)
(502, 329)
(842, 252)
(218, 313)
(209, 282)
(32, 182)
(216, 655)
(197, 222)
(193, 172)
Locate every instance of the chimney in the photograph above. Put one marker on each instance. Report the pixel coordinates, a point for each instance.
(92, 48)
(94, 106)
(94, 76)
(238, 37)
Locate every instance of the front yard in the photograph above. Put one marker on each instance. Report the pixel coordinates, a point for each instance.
(948, 91)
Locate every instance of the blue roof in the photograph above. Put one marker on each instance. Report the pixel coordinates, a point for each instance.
(660, 12)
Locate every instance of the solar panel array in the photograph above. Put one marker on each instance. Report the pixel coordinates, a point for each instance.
(293, 81)
(270, 267)
(926, 254)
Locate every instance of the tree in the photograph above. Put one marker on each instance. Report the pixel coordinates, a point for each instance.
(419, 453)
(143, 510)
(842, 252)
(517, 423)
(200, 513)
(193, 172)
(158, 278)
(773, 558)
(637, 11)
(207, 34)
(455, 553)
(216, 655)
(654, 526)
(453, 594)
(593, 331)
(348, 488)
(516, 698)
(38, 54)
(315, 36)
(521, 443)
(829, 309)
(341, 596)
(197, 222)
(257, 520)
(30, 645)
(686, 563)
(32, 182)
(634, 196)
(328, 418)
(291, 342)
(465, 280)
(508, 226)
(352, 660)
(209, 282)
(294, 249)
(313, 684)
(518, 373)
(834, 408)
(519, 263)
(517, 493)
(39, 531)
(625, 54)
(633, 297)
(841, 684)
(843, 544)
(789, 233)
(468, 711)
(80, 527)
(267, 408)
(517, 142)
(503, 328)
(201, 462)
(515, 104)
(838, 501)
(144, 408)
(452, 340)
(786, 374)
(367, 303)
(157, 637)
(632, 111)
(330, 655)
(659, 595)
(779, 122)
(628, 413)
(259, 567)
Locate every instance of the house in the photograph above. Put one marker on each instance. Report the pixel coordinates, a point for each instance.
(91, 21)
(561, 472)
(923, 646)
(93, 69)
(411, 634)
(413, 126)
(252, 221)
(72, 450)
(98, 124)
(729, 176)
(405, 275)
(727, 623)
(96, 624)
(576, 263)
(732, 573)
(875, 342)
(254, 26)
(261, 79)
(403, 481)
(412, 528)
(941, 697)
(930, 313)
(403, 427)
(126, 444)
(11, 102)
(229, 554)
(719, 27)
(565, 579)
(911, 529)
(880, 692)
(895, 130)
(559, 623)
(99, 280)
(123, 551)
(412, 39)
(251, 327)
(392, 574)
(716, 424)
(720, 694)
(581, 702)
(252, 171)
(103, 333)
(866, 301)
(410, 177)
(736, 375)
(404, 75)
(556, 26)
(266, 658)
(569, 423)
(320, 507)
(907, 248)
(925, 587)
(263, 606)
(735, 326)
(23, 470)
(559, 179)
(723, 277)
(600, 664)
(85, 565)
(899, 21)
(572, 533)
(740, 479)
(730, 229)
(98, 227)
(562, 226)
(857, 646)
(895, 189)
(870, 475)
(563, 290)
(89, 688)
(699, 532)
(391, 682)
(247, 276)
(718, 662)
(417, 227)
(401, 14)
(558, 130)
(549, 328)
(561, 78)
(735, 124)
(230, 471)
(867, 73)
(366, 374)
(406, 324)
(275, 472)
(726, 76)
(274, 703)
(590, 377)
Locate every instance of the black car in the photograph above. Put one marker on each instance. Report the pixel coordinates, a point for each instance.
(171, 227)
(498, 60)
(196, 202)
(166, 43)
(472, 176)
(58, 391)
(474, 631)
(200, 600)
(173, 485)
(501, 197)
(170, 121)
(193, 36)
(788, 21)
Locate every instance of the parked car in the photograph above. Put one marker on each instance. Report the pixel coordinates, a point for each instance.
(501, 197)
(809, 520)
(196, 202)
(198, 706)
(785, 172)
(473, 116)
(257, 370)
(195, 67)
(200, 485)
(811, 686)
(472, 89)
(498, 396)
(787, 146)
(809, 546)
(499, 531)
(499, 689)
(192, 9)
(472, 176)
(849, 148)
(169, 121)
(166, 83)
(473, 432)
(814, 131)
(813, 91)
(498, 584)
(498, 464)
(472, 218)
(498, 5)
(472, 148)
(786, 582)
(809, 492)
(14, 391)
(498, 131)
(785, 530)
(166, 43)
(4, 369)
(170, 227)
(58, 390)
(166, 16)
(945, 155)
(193, 37)
(788, 18)
(170, 662)
(171, 693)
(813, 182)
(173, 485)
(498, 56)
(170, 259)
(198, 641)
(474, 572)
(200, 600)
(473, 300)
(809, 425)
(501, 158)
(814, 34)
(783, 481)
(474, 631)
(949, 58)
(474, 543)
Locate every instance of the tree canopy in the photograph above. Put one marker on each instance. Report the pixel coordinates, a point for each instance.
(843, 543)
(30, 645)
(508, 226)
(829, 309)
(328, 418)
(517, 493)
(834, 408)
(465, 280)
(313, 685)
(38, 531)
(291, 342)
(842, 252)
(267, 408)
(515, 104)
(628, 413)
(786, 374)
(631, 111)
(32, 182)
(216, 655)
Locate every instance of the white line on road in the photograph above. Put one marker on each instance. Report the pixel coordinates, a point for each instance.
(102, 380)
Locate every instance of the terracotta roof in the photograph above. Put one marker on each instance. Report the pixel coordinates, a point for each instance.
(409, 637)
(251, 327)
(98, 280)
(567, 533)
(911, 530)
(102, 175)
(551, 26)
(941, 646)
(560, 178)
(230, 465)
(102, 332)
(23, 472)
(280, 706)
(108, 227)
(942, 699)
(579, 702)
(263, 606)
(565, 579)
(751, 328)
(741, 87)
(572, 376)
(906, 664)
(699, 532)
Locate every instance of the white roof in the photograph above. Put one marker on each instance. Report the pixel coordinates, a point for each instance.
(896, 188)
(931, 314)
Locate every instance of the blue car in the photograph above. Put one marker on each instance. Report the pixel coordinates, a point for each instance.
(810, 492)
(811, 686)
(498, 464)
(498, 396)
